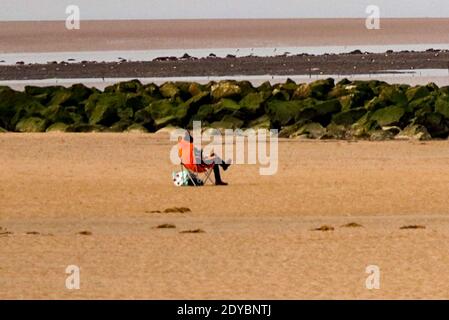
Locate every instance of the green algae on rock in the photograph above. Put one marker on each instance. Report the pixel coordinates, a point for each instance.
(322, 109)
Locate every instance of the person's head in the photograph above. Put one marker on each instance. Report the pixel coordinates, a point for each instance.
(188, 137)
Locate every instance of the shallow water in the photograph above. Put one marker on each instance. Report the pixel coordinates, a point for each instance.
(412, 77)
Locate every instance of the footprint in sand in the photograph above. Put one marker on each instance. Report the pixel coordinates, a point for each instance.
(171, 210)
(4, 232)
(352, 225)
(32, 233)
(414, 226)
(193, 231)
(166, 226)
(85, 233)
(177, 210)
(324, 228)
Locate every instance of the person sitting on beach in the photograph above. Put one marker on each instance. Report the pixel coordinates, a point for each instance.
(193, 156)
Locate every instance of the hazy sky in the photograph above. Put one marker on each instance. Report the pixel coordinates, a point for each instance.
(197, 9)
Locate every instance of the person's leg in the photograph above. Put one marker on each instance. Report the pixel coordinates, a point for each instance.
(217, 163)
(217, 175)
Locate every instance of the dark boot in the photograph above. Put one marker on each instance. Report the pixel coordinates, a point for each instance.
(218, 181)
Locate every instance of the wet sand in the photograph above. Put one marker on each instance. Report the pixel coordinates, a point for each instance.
(257, 240)
(169, 34)
(316, 65)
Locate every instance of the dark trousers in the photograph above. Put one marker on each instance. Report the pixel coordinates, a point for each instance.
(217, 163)
(217, 173)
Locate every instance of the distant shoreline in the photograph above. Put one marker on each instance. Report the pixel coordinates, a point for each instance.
(52, 36)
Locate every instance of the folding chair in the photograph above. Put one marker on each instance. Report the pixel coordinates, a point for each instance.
(197, 172)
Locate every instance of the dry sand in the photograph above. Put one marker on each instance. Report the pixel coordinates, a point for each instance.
(169, 34)
(257, 242)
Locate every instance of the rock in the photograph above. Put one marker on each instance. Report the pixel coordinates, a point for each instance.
(393, 95)
(327, 107)
(136, 128)
(42, 94)
(252, 104)
(266, 87)
(415, 132)
(283, 113)
(60, 127)
(317, 111)
(165, 112)
(125, 114)
(388, 116)
(263, 122)
(89, 128)
(434, 123)
(279, 94)
(321, 88)
(225, 89)
(303, 91)
(103, 108)
(417, 92)
(15, 106)
(72, 96)
(195, 88)
(442, 105)
(143, 117)
(103, 114)
(394, 130)
(425, 104)
(335, 131)
(119, 126)
(380, 135)
(32, 124)
(131, 86)
(310, 130)
(57, 113)
(169, 90)
(215, 112)
(348, 117)
(228, 122)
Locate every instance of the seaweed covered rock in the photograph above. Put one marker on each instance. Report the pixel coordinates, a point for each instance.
(388, 116)
(32, 124)
(283, 113)
(225, 89)
(435, 124)
(442, 105)
(103, 108)
(414, 132)
(311, 130)
(73, 96)
(317, 89)
(60, 127)
(169, 90)
(228, 122)
(16, 106)
(348, 117)
(253, 103)
(371, 109)
(131, 86)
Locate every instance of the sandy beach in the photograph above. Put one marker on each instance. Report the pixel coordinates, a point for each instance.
(257, 242)
(168, 34)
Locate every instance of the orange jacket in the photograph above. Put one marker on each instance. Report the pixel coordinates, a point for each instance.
(186, 153)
